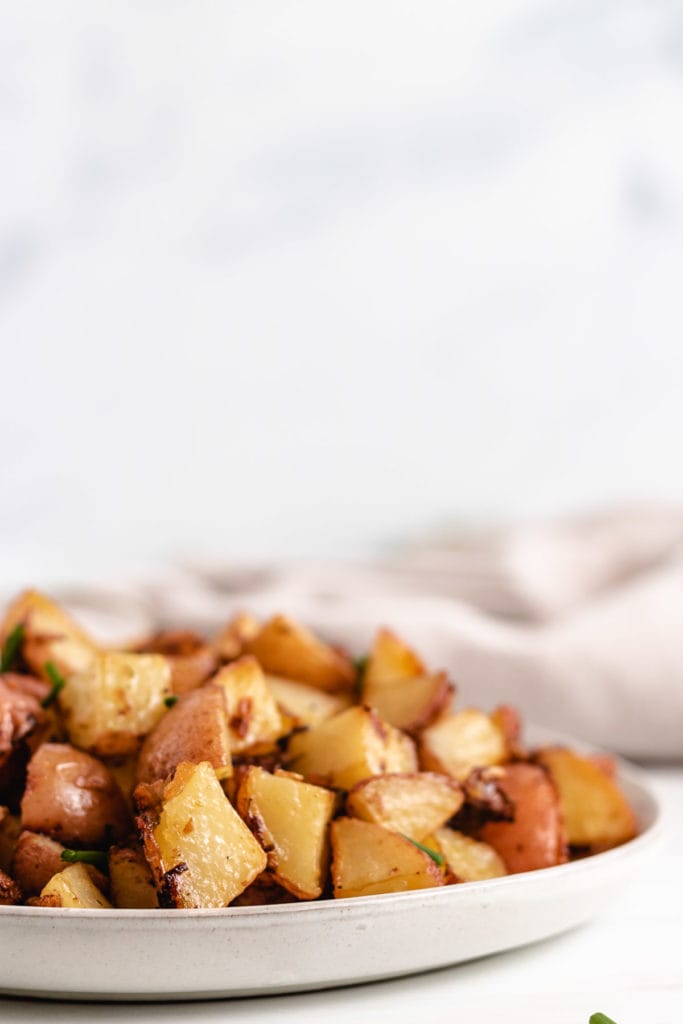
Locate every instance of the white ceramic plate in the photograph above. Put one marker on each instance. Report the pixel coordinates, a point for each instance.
(172, 954)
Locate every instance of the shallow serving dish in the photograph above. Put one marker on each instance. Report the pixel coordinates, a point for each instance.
(203, 954)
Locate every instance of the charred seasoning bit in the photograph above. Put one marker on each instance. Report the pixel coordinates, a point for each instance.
(169, 891)
(241, 720)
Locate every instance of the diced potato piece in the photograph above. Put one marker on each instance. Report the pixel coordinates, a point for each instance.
(467, 859)
(306, 705)
(191, 659)
(200, 851)
(132, 885)
(290, 818)
(595, 811)
(342, 750)
(123, 770)
(195, 729)
(37, 858)
(116, 701)
(253, 716)
(230, 643)
(410, 703)
(10, 893)
(391, 660)
(413, 805)
(72, 797)
(368, 859)
(400, 752)
(535, 839)
(10, 829)
(21, 715)
(49, 634)
(285, 648)
(74, 888)
(461, 741)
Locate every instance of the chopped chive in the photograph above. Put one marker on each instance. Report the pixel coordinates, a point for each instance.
(360, 664)
(601, 1018)
(170, 701)
(95, 857)
(436, 857)
(58, 683)
(11, 646)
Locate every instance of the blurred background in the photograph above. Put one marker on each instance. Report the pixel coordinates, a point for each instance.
(297, 279)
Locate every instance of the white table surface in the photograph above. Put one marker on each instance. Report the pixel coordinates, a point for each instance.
(629, 964)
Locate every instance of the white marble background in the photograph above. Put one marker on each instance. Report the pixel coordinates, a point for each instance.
(302, 278)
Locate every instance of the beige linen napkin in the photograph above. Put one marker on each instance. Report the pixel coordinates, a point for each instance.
(609, 669)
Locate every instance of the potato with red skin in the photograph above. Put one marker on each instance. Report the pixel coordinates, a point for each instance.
(37, 859)
(191, 659)
(72, 797)
(535, 838)
(21, 712)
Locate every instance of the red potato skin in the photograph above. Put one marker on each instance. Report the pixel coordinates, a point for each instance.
(535, 838)
(72, 797)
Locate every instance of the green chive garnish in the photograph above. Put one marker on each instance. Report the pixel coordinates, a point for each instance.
(58, 683)
(601, 1018)
(95, 857)
(170, 701)
(436, 857)
(10, 648)
(360, 664)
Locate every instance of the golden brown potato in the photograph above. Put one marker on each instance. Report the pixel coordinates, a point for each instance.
(74, 888)
(21, 714)
(10, 828)
(413, 805)
(72, 797)
(368, 859)
(535, 839)
(467, 860)
(391, 660)
(351, 746)
(461, 741)
(200, 851)
(191, 659)
(410, 704)
(37, 858)
(195, 729)
(595, 811)
(132, 885)
(290, 818)
(254, 722)
(285, 648)
(49, 635)
(10, 893)
(231, 641)
(112, 704)
(305, 705)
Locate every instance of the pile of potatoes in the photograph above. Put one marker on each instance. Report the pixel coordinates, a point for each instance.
(263, 765)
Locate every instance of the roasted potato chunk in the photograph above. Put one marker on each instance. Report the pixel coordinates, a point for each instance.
(461, 741)
(21, 714)
(290, 818)
(10, 829)
(195, 729)
(200, 851)
(10, 893)
(112, 704)
(535, 838)
(132, 885)
(49, 635)
(72, 797)
(347, 748)
(37, 858)
(191, 659)
(254, 721)
(468, 860)
(231, 641)
(396, 683)
(595, 811)
(285, 648)
(74, 888)
(413, 805)
(368, 859)
(305, 705)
